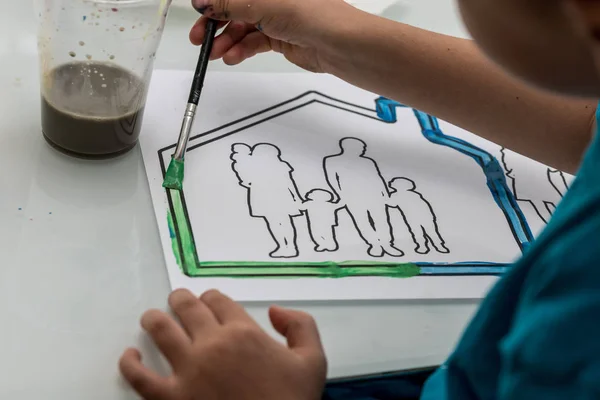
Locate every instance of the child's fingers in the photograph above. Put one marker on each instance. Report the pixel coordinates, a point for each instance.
(146, 383)
(299, 328)
(169, 336)
(253, 44)
(244, 10)
(197, 319)
(233, 33)
(301, 332)
(224, 308)
(199, 28)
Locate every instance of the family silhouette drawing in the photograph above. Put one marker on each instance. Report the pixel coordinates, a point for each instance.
(526, 184)
(355, 185)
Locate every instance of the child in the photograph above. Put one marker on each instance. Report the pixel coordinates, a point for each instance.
(535, 336)
(322, 219)
(417, 214)
(241, 162)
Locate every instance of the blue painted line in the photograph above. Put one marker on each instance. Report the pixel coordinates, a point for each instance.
(491, 270)
(496, 181)
(463, 268)
(461, 264)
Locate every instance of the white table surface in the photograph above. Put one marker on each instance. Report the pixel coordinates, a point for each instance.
(74, 283)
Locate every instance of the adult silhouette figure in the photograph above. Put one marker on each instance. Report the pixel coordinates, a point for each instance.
(534, 184)
(558, 180)
(418, 215)
(272, 193)
(357, 182)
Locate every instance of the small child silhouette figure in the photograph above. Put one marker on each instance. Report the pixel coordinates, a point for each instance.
(322, 220)
(240, 155)
(418, 215)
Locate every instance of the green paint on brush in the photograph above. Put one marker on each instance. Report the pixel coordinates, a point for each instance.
(174, 176)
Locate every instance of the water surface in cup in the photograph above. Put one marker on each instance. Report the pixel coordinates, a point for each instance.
(92, 109)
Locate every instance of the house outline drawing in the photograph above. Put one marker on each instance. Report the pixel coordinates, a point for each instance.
(385, 113)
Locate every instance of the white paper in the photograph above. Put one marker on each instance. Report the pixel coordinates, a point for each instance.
(300, 168)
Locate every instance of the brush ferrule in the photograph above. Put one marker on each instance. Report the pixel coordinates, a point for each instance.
(186, 130)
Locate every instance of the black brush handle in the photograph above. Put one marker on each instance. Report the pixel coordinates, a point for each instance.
(198, 83)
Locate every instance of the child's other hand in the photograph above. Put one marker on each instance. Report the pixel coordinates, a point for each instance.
(219, 352)
(297, 29)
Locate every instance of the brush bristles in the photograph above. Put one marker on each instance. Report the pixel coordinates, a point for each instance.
(174, 176)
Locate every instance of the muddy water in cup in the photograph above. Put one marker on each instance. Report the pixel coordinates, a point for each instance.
(92, 109)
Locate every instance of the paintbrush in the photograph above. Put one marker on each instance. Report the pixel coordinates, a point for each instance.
(174, 175)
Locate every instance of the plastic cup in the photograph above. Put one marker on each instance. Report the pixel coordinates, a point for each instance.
(96, 61)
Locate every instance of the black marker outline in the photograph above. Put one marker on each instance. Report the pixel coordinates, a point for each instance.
(459, 268)
(265, 218)
(333, 227)
(562, 177)
(428, 240)
(550, 206)
(385, 249)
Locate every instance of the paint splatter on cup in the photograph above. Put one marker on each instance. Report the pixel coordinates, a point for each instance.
(96, 61)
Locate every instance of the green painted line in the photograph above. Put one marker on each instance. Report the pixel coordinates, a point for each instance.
(324, 264)
(188, 257)
(184, 249)
(174, 242)
(263, 270)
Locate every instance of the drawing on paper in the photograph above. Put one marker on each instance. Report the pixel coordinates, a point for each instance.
(268, 180)
(358, 184)
(418, 215)
(291, 195)
(540, 186)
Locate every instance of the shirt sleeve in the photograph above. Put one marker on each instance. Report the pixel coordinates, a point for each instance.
(553, 348)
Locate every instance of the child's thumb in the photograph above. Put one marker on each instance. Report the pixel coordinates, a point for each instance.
(300, 330)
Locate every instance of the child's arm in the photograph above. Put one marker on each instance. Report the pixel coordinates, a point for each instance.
(331, 177)
(441, 75)
(451, 79)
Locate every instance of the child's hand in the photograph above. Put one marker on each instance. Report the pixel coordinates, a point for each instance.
(297, 29)
(220, 353)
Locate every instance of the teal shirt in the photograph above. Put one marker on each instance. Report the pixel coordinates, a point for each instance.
(537, 334)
